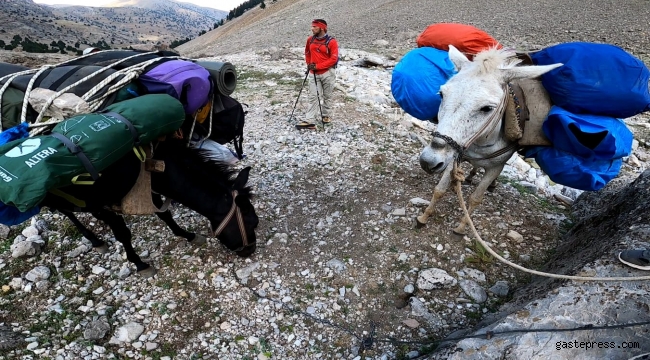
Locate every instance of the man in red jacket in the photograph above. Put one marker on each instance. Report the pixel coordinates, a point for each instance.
(321, 56)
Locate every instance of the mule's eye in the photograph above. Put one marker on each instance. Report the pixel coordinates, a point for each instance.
(487, 109)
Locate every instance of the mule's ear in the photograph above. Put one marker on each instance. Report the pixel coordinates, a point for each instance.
(242, 178)
(527, 72)
(457, 58)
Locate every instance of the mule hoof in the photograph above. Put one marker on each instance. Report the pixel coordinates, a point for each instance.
(148, 272)
(419, 224)
(101, 249)
(198, 240)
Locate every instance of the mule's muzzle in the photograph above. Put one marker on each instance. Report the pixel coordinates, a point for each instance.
(431, 167)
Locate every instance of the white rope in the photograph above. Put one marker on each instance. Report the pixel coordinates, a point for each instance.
(9, 78)
(189, 137)
(86, 78)
(457, 176)
(23, 111)
(128, 74)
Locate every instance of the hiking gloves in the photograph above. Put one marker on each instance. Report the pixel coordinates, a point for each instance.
(311, 66)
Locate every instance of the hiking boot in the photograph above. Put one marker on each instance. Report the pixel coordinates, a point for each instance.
(326, 120)
(639, 259)
(303, 125)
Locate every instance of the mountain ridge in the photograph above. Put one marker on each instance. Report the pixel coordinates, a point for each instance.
(143, 22)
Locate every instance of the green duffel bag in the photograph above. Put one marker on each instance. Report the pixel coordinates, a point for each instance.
(12, 105)
(30, 167)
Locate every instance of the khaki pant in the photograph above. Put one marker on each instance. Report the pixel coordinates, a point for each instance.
(325, 83)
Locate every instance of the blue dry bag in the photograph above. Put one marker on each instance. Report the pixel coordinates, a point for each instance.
(417, 79)
(597, 79)
(588, 136)
(573, 171)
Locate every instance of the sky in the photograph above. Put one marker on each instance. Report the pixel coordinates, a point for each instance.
(226, 5)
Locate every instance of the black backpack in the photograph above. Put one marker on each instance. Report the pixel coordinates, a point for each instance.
(327, 46)
(228, 117)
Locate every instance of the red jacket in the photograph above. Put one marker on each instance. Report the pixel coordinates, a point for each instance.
(316, 52)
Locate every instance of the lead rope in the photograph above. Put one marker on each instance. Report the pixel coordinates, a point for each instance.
(458, 178)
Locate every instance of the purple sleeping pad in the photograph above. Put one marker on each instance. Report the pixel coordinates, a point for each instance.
(184, 80)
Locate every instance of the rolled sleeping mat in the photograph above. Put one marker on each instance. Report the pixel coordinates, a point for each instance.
(224, 75)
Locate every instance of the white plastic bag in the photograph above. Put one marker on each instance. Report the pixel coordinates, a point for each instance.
(215, 151)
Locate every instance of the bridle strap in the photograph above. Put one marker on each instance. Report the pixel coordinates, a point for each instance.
(492, 122)
(240, 220)
(487, 128)
(505, 150)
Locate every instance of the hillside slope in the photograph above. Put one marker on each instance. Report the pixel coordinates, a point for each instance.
(141, 22)
(358, 23)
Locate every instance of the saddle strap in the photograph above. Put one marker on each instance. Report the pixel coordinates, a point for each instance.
(69, 198)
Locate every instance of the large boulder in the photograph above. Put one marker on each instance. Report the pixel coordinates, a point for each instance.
(606, 222)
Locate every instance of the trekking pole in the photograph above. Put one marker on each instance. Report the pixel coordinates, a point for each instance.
(318, 98)
(300, 92)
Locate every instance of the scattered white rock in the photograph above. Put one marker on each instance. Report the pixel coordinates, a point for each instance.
(127, 333)
(513, 235)
(38, 273)
(434, 278)
(473, 290)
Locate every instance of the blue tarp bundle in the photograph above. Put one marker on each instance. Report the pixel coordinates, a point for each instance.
(573, 171)
(417, 79)
(598, 79)
(587, 149)
(588, 136)
(597, 85)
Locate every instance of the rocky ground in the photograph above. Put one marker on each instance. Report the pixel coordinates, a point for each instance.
(339, 261)
(340, 272)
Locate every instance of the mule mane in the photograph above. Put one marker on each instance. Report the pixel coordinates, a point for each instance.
(493, 59)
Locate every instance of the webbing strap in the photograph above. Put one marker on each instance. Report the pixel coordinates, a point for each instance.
(71, 199)
(134, 132)
(78, 151)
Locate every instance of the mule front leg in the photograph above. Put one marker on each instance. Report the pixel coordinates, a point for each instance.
(166, 216)
(476, 198)
(123, 235)
(98, 245)
(438, 192)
